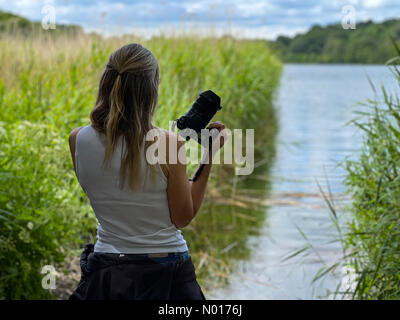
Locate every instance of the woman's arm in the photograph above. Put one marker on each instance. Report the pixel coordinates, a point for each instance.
(72, 144)
(185, 196)
(198, 187)
(180, 200)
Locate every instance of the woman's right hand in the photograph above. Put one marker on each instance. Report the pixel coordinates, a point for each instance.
(222, 136)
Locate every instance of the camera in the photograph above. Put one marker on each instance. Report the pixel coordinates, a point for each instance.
(200, 113)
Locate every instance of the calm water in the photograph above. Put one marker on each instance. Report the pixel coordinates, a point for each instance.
(315, 102)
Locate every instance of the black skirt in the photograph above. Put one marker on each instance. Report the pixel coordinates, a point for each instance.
(121, 277)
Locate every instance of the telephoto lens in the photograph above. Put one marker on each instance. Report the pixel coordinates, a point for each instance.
(200, 113)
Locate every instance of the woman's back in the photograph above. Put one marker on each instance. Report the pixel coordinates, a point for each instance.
(129, 221)
(140, 252)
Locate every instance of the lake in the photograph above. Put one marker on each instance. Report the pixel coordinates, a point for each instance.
(314, 103)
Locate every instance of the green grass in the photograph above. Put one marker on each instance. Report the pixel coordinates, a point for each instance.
(374, 183)
(48, 86)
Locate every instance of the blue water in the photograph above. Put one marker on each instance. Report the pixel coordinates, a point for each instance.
(314, 104)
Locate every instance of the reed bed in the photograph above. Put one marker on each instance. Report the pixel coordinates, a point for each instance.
(48, 86)
(373, 237)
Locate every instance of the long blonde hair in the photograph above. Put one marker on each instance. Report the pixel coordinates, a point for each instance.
(126, 101)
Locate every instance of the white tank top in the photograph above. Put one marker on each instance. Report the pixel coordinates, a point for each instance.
(128, 221)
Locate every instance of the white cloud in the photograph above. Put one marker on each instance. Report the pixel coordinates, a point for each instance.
(253, 8)
(253, 18)
(372, 3)
(196, 7)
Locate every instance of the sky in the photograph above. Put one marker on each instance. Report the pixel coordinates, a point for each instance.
(264, 19)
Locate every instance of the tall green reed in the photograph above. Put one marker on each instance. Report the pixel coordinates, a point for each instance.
(373, 181)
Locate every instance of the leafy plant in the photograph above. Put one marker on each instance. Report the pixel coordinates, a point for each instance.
(374, 182)
(42, 213)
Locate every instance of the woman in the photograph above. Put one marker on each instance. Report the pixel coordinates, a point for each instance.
(140, 252)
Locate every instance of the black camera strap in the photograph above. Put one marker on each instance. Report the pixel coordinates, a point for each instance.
(202, 165)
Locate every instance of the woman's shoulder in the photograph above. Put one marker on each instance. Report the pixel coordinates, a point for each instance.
(169, 135)
(73, 134)
(171, 147)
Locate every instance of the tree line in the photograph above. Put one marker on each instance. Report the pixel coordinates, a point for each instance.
(369, 43)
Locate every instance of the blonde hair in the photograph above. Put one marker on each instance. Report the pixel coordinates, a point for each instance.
(126, 101)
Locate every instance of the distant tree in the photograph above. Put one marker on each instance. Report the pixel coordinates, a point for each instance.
(368, 43)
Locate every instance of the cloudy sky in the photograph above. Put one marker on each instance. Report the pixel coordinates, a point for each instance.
(243, 18)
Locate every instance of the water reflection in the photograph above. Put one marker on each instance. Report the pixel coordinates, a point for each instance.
(315, 102)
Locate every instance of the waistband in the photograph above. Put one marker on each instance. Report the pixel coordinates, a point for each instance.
(157, 257)
(91, 261)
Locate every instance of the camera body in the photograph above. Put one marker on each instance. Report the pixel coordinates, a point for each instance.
(200, 113)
